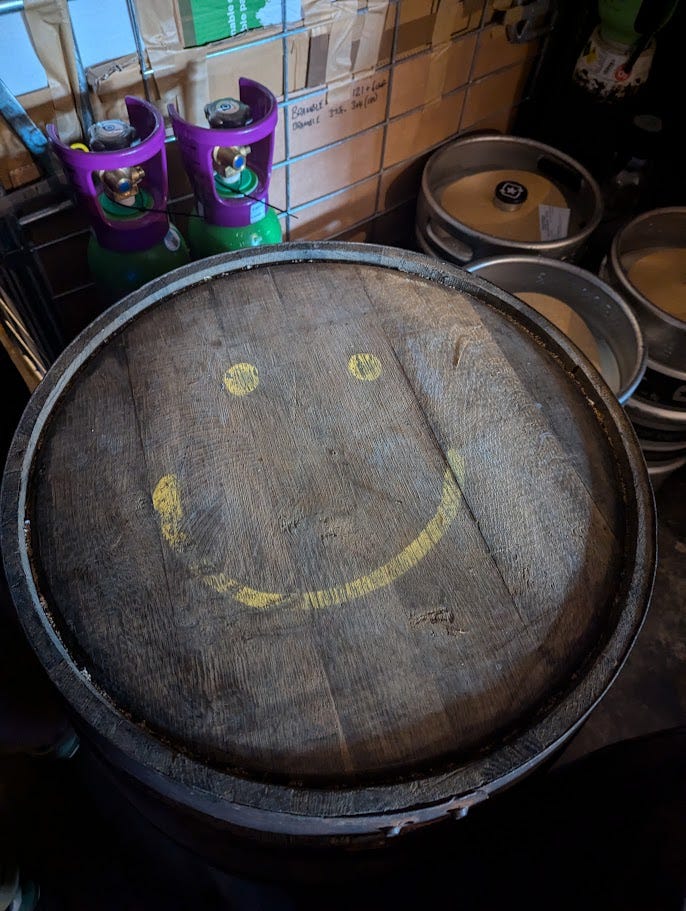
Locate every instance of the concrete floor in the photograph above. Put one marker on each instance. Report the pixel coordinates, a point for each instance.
(603, 827)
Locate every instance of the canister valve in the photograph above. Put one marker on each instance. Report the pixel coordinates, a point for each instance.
(228, 113)
(223, 114)
(120, 184)
(229, 162)
(111, 135)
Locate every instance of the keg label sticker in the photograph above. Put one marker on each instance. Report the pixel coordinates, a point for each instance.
(553, 222)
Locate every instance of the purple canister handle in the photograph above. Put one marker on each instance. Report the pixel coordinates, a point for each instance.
(196, 144)
(123, 235)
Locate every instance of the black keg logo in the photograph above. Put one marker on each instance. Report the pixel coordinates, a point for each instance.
(511, 192)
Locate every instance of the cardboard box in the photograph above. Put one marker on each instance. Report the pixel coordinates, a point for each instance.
(423, 129)
(189, 79)
(277, 187)
(495, 93)
(263, 63)
(454, 19)
(502, 121)
(423, 24)
(17, 166)
(427, 76)
(495, 51)
(368, 32)
(335, 168)
(335, 114)
(203, 21)
(333, 215)
(176, 24)
(402, 182)
(110, 81)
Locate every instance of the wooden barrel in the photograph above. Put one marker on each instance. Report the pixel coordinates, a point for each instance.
(326, 542)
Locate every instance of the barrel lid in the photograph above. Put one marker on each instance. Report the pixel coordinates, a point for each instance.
(327, 532)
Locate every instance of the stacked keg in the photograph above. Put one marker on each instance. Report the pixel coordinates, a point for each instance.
(516, 212)
(489, 194)
(519, 213)
(647, 265)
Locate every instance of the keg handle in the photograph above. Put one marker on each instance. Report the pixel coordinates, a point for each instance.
(454, 249)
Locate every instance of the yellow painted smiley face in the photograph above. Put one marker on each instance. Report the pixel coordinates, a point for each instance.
(242, 379)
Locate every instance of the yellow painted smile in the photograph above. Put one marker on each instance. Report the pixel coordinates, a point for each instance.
(167, 502)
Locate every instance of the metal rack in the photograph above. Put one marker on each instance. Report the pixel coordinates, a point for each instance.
(51, 195)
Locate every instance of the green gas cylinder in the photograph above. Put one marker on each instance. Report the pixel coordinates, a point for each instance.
(205, 238)
(120, 178)
(229, 164)
(116, 272)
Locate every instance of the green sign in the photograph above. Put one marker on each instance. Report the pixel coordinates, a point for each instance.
(211, 20)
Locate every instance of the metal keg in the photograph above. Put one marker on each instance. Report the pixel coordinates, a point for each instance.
(659, 471)
(661, 431)
(489, 194)
(647, 265)
(591, 313)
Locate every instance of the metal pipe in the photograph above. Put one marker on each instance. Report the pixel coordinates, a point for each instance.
(46, 212)
(83, 98)
(11, 6)
(146, 72)
(27, 131)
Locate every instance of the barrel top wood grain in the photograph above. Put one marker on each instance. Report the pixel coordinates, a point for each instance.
(327, 530)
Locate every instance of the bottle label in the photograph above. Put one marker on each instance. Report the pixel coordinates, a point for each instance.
(257, 212)
(172, 240)
(600, 69)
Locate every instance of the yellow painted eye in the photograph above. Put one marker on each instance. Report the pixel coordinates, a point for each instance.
(365, 366)
(241, 379)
